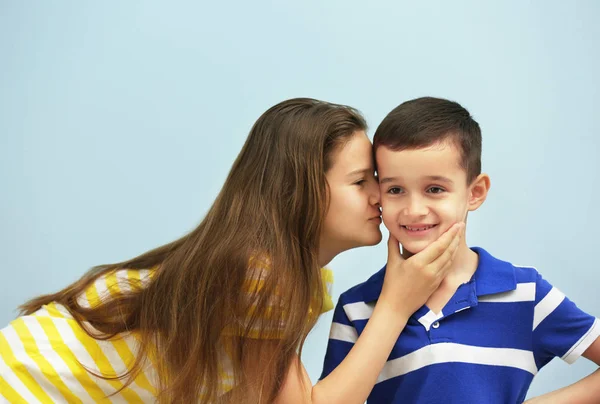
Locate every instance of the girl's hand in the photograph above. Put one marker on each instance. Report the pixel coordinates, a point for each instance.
(409, 283)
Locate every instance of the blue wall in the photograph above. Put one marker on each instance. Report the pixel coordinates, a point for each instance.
(119, 122)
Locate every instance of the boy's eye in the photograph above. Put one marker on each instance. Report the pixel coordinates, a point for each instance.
(360, 182)
(435, 190)
(395, 190)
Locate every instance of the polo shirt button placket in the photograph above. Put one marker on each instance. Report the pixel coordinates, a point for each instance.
(437, 333)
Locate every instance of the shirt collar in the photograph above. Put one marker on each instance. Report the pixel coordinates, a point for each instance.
(492, 276)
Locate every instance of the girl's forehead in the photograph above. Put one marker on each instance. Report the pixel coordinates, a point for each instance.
(355, 151)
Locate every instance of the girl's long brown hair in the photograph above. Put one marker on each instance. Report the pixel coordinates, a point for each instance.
(270, 209)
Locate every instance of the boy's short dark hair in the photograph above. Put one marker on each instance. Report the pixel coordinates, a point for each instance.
(422, 122)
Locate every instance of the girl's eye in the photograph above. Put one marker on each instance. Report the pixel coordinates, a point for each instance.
(435, 190)
(395, 190)
(360, 182)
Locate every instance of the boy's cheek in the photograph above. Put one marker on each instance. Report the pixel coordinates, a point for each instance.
(391, 225)
(388, 219)
(444, 228)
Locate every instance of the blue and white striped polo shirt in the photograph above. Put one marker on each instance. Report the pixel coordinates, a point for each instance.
(485, 346)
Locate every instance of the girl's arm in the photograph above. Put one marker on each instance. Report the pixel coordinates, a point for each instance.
(407, 286)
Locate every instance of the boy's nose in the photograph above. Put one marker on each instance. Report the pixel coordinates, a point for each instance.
(416, 207)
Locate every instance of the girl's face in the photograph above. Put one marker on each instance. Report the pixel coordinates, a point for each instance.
(353, 216)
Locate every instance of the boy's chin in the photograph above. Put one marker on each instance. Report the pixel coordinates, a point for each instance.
(413, 247)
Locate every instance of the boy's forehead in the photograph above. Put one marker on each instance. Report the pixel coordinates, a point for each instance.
(436, 160)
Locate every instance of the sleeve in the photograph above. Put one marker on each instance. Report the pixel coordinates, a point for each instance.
(560, 328)
(40, 363)
(342, 337)
(270, 322)
(262, 313)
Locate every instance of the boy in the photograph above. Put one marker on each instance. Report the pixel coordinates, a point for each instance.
(490, 326)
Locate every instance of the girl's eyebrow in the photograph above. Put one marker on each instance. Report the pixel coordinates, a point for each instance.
(360, 171)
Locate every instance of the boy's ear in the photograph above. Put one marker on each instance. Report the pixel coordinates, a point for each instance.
(478, 191)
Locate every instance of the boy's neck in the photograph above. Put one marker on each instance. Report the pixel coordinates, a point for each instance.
(464, 265)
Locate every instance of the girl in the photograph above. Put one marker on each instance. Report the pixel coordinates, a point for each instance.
(221, 314)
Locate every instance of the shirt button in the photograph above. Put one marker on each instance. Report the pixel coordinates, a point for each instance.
(436, 325)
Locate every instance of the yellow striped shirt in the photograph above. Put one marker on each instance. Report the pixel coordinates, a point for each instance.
(43, 355)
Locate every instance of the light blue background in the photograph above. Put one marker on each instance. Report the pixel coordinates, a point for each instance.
(119, 122)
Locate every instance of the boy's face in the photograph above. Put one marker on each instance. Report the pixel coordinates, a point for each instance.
(423, 193)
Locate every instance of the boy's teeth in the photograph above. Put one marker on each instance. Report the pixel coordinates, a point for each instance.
(418, 228)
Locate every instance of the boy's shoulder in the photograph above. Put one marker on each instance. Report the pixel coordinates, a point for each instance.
(492, 267)
(366, 291)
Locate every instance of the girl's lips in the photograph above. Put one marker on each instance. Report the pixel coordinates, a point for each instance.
(376, 219)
